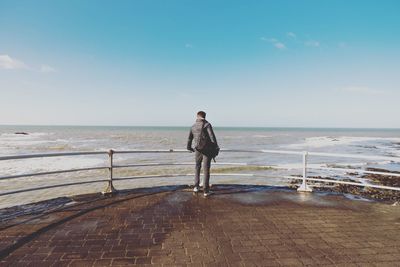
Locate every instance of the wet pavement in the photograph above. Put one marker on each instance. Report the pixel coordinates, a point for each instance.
(170, 226)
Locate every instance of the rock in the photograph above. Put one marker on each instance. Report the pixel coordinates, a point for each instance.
(22, 133)
(366, 192)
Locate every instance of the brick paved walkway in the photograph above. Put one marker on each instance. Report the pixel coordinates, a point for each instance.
(239, 226)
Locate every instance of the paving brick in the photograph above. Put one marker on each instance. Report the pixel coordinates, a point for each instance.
(114, 254)
(175, 228)
(290, 262)
(102, 262)
(81, 263)
(122, 262)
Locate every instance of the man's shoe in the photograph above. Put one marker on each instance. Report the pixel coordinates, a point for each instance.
(195, 189)
(206, 194)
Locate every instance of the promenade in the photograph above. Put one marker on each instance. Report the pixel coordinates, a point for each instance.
(238, 226)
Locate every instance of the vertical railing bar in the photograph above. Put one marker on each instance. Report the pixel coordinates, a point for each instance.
(110, 187)
(304, 187)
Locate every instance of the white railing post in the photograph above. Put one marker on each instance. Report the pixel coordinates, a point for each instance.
(110, 187)
(304, 187)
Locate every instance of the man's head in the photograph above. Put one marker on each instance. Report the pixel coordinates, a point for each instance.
(201, 115)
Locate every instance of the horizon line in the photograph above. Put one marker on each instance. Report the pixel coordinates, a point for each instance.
(185, 126)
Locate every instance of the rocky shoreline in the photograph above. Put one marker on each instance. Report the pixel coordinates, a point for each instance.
(365, 192)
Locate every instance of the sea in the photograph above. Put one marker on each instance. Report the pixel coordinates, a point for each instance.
(55, 139)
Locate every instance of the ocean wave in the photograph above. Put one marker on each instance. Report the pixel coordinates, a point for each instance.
(16, 167)
(17, 140)
(232, 137)
(261, 136)
(327, 141)
(28, 134)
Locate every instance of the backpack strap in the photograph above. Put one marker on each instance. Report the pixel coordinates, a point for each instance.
(202, 126)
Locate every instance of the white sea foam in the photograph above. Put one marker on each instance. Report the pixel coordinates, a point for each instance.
(15, 167)
(232, 137)
(327, 141)
(8, 140)
(262, 136)
(11, 143)
(290, 166)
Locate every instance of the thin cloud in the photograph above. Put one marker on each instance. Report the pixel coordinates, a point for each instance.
(309, 43)
(46, 69)
(361, 90)
(342, 45)
(312, 43)
(188, 45)
(291, 35)
(9, 63)
(275, 42)
(280, 45)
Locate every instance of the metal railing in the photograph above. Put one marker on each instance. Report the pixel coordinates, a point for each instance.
(304, 187)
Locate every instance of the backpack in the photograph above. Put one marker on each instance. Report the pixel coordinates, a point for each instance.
(205, 146)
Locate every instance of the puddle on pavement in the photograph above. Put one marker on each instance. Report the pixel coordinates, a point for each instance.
(257, 195)
(178, 197)
(309, 199)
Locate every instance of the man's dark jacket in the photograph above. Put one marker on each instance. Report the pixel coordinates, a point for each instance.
(195, 133)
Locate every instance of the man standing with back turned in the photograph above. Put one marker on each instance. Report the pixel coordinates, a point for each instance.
(195, 133)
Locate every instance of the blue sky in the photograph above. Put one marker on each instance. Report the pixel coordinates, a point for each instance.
(247, 63)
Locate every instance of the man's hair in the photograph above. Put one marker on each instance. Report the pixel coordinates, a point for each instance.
(201, 114)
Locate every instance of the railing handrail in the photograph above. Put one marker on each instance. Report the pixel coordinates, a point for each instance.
(343, 155)
(51, 172)
(111, 166)
(139, 151)
(46, 155)
(128, 166)
(153, 164)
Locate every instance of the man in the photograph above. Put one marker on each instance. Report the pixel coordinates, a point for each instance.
(195, 132)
